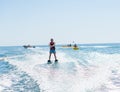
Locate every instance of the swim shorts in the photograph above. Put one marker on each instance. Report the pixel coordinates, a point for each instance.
(52, 51)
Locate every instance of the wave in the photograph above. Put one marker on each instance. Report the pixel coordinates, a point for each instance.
(14, 80)
(79, 71)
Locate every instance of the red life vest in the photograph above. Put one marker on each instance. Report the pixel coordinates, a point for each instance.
(52, 48)
(51, 43)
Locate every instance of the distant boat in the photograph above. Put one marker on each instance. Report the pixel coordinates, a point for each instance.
(67, 46)
(28, 46)
(75, 48)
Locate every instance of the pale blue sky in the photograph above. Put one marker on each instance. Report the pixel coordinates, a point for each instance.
(36, 21)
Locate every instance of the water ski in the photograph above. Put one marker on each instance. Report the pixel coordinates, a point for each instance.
(56, 60)
(49, 62)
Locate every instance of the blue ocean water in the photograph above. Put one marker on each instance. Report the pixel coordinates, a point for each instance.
(92, 68)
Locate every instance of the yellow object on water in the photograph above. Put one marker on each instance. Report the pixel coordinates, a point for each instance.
(75, 48)
(67, 46)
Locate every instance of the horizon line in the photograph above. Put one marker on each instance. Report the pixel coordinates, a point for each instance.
(65, 44)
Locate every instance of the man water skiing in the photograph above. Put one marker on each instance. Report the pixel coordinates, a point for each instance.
(52, 50)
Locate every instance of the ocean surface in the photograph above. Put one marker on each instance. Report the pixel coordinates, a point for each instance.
(92, 68)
